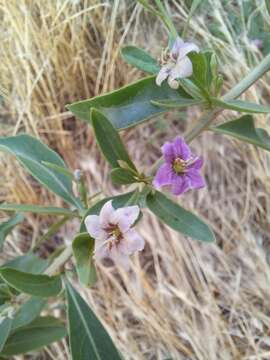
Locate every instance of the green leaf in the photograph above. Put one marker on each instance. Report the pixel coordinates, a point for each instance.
(31, 153)
(32, 284)
(200, 69)
(83, 248)
(140, 59)
(244, 129)
(117, 202)
(27, 263)
(109, 140)
(129, 105)
(179, 104)
(28, 312)
(41, 332)
(178, 218)
(44, 210)
(122, 176)
(5, 327)
(7, 226)
(242, 106)
(86, 331)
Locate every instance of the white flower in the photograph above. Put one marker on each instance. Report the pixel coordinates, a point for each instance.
(113, 233)
(179, 65)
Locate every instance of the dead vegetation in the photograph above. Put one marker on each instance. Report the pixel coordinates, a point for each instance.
(182, 299)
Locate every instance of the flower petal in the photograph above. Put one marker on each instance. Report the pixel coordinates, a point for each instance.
(181, 149)
(177, 45)
(163, 73)
(106, 213)
(163, 176)
(134, 241)
(186, 48)
(101, 251)
(168, 152)
(180, 184)
(92, 225)
(125, 217)
(182, 69)
(196, 180)
(197, 164)
(119, 258)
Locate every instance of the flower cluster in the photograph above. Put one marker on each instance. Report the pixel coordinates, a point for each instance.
(177, 65)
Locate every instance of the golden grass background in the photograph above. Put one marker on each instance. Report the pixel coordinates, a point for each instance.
(182, 299)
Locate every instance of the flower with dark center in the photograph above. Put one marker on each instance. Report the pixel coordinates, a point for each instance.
(181, 170)
(114, 235)
(177, 65)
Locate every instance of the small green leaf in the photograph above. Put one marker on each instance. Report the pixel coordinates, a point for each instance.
(179, 104)
(244, 129)
(129, 105)
(117, 202)
(83, 248)
(28, 312)
(32, 284)
(242, 106)
(7, 226)
(41, 332)
(5, 328)
(200, 69)
(122, 176)
(86, 331)
(109, 140)
(31, 153)
(45, 210)
(178, 218)
(30, 263)
(140, 59)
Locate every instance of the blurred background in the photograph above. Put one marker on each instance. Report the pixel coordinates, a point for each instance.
(182, 299)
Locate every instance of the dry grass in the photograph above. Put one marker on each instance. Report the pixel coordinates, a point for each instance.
(186, 300)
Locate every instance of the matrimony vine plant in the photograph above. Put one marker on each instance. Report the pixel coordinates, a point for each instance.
(186, 75)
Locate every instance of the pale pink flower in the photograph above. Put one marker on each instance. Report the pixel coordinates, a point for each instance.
(179, 65)
(114, 235)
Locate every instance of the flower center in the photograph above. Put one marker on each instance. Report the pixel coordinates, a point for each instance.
(114, 235)
(179, 166)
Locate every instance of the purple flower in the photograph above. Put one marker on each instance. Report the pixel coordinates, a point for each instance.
(113, 233)
(178, 65)
(181, 168)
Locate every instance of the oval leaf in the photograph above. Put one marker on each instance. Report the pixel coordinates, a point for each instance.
(28, 312)
(109, 140)
(45, 210)
(7, 226)
(244, 129)
(86, 331)
(41, 332)
(5, 328)
(178, 218)
(83, 248)
(30, 263)
(31, 153)
(140, 59)
(129, 105)
(32, 284)
(242, 106)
